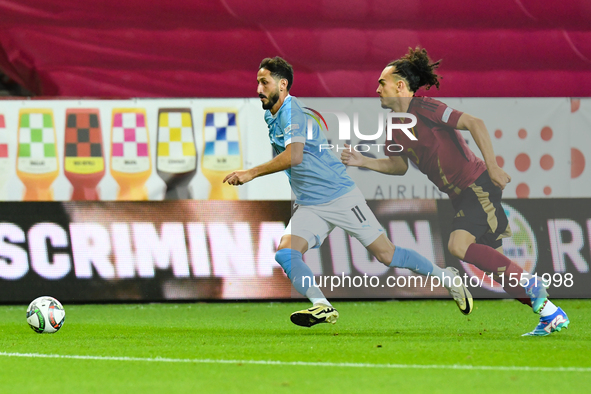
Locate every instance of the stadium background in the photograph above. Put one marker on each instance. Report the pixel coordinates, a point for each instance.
(206, 51)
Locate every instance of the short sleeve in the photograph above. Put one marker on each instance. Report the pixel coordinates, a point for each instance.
(294, 126)
(437, 112)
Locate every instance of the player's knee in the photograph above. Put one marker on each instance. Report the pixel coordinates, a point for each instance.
(457, 249)
(382, 249)
(385, 257)
(294, 243)
(285, 242)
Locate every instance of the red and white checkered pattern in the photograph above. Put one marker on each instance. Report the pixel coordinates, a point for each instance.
(130, 135)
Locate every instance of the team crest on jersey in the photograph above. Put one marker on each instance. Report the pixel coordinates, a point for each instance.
(291, 127)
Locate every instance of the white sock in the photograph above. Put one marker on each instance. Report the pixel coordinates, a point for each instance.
(316, 296)
(323, 301)
(445, 276)
(548, 309)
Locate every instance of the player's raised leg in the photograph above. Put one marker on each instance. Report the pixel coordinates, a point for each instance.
(462, 245)
(351, 213)
(397, 256)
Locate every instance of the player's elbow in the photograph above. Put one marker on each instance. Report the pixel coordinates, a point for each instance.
(398, 167)
(479, 123)
(401, 170)
(473, 123)
(294, 153)
(296, 158)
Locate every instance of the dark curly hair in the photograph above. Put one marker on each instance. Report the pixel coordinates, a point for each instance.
(279, 68)
(416, 69)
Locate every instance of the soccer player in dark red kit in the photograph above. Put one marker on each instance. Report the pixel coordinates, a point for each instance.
(473, 185)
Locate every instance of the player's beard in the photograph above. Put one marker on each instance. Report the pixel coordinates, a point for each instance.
(271, 100)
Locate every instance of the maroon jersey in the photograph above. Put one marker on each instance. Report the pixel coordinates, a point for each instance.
(440, 151)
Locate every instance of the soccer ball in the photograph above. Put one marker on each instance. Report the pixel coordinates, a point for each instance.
(45, 315)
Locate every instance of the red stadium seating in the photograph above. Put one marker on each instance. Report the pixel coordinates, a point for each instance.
(199, 48)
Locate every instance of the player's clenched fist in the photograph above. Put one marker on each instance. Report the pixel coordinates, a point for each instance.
(351, 157)
(499, 177)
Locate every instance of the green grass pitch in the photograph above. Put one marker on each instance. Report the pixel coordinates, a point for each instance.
(376, 347)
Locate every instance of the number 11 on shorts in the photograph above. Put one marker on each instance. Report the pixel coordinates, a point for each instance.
(358, 213)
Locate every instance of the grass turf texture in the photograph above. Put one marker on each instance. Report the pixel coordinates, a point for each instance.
(407, 333)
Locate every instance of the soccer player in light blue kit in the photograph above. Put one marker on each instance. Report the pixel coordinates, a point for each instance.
(326, 197)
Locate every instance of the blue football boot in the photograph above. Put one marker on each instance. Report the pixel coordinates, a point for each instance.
(547, 325)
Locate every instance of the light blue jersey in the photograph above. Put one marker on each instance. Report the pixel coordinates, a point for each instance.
(320, 177)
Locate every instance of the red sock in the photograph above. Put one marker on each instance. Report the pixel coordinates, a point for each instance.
(491, 260)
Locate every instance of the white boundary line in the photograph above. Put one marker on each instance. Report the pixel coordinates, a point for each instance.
(303, 363)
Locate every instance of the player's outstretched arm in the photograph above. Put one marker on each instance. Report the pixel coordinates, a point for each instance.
(290, 157)
(480, 134)
(393, 165)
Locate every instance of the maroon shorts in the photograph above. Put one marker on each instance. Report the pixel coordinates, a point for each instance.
(479, 212)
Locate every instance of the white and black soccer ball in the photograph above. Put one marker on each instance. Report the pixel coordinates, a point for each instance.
(45, 315)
